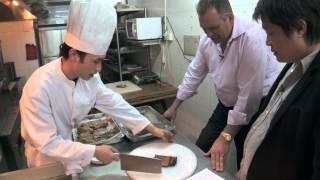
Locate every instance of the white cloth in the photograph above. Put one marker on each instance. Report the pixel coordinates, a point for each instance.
(51, 105)
(91, 25)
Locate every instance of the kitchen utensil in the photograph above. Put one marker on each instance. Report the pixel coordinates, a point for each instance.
(139, 163)
(185, 166)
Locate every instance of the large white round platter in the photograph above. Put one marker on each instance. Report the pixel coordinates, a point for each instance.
(185, 166)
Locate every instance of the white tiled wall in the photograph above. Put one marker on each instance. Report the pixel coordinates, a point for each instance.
(183, 17)
(14, 36)
(243, 8)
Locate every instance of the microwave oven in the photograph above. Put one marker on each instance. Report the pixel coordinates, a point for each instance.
(144, 28)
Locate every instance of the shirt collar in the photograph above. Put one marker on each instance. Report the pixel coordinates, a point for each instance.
(61, 74)
(237, 29)
(306, 61)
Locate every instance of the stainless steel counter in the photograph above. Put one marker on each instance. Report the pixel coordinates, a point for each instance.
(113, 171)
(10, 131)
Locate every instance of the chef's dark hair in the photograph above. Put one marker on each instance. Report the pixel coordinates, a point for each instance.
(64, 52)
(288, 13)
(222, 6)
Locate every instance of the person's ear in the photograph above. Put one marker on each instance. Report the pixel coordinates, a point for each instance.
(302, 28)
(73, 55)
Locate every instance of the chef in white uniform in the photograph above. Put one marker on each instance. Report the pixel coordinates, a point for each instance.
(59, 94)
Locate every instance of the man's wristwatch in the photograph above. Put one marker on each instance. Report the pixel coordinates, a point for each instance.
(227, 137)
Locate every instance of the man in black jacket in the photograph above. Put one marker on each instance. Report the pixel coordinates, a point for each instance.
(284, 141)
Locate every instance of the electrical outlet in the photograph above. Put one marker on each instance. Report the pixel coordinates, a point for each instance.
(191, 43)
(168, 36)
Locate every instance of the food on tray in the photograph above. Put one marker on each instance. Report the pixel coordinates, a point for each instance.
(167, 161)
(95, 130)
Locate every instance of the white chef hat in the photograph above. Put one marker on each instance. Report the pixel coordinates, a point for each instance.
(91, 25)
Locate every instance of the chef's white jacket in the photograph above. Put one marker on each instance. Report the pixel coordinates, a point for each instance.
(51, 105)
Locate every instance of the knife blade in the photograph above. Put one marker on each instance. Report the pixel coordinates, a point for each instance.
(138, 163)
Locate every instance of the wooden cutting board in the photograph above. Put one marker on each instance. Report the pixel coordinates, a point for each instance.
(123, 87)
(186, 161)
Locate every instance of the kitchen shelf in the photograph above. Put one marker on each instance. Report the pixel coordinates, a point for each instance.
(126, 50)
(145, 42)
(115, 68)
(126, 11)
(121, 50)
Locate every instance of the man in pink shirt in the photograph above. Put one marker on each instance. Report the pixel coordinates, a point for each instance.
(234, 55)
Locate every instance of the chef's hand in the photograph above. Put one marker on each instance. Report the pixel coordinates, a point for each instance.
(170, 114)
(106, 154)
(218, 153)
(160, 133)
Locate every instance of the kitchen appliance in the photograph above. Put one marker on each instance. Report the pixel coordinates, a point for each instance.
(139, 163)
(144, 28)
(145, 77)
(50, 31)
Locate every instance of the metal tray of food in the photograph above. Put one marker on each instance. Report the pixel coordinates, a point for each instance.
(155, 118)
(97, 129)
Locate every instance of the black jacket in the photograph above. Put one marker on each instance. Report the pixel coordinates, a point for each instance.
(291, 148)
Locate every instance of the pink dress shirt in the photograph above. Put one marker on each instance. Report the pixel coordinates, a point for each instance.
(241, 75)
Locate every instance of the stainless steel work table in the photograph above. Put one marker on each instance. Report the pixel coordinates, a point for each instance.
(113, 171)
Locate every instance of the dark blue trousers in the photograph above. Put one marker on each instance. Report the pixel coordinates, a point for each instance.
(215, 126)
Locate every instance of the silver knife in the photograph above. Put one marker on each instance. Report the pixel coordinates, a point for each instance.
(139, 163)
